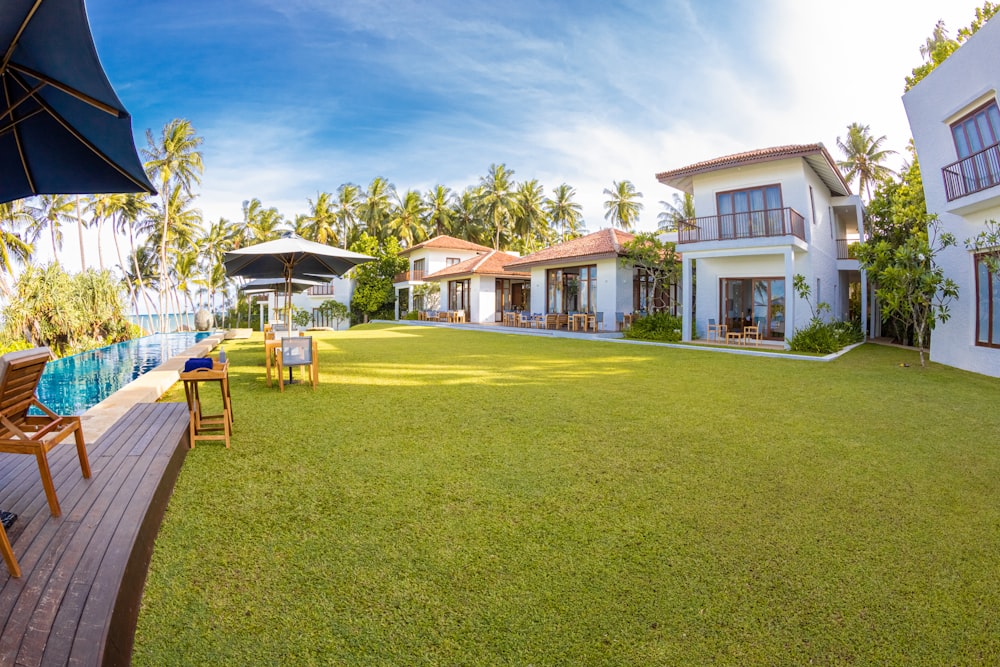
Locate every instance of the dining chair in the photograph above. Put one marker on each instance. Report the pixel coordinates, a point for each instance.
(620, 320)
(751, 333)
(301, 351)
(714, 328)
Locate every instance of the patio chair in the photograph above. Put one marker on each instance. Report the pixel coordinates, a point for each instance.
(21, 433)
(599, 322)
(719, 330)
(620, 320)
(301, 351)
(751, 333)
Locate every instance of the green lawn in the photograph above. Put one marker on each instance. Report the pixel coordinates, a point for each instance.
(466, 498)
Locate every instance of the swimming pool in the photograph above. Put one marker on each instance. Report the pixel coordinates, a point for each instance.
(73, 384)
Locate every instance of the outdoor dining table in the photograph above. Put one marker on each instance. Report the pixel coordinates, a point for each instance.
(578, 321)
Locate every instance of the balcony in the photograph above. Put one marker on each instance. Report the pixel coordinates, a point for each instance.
(980, 171)
(846, 248)
(751, 225)
(321, 290)
(407, 276)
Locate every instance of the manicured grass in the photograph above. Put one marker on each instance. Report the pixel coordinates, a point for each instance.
(466, 498)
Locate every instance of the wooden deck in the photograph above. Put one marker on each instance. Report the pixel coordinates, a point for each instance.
(77, 599)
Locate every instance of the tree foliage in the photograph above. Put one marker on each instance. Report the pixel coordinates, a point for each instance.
(936, 49)
(657, 258)
(374, 296)
(67, 313)
(911, 287)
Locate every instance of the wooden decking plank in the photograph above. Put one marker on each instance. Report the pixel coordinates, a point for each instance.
(84, 572)
(39, 614)
(82, 559)
(110, 563)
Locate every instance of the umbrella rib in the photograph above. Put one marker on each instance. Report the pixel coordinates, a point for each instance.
(10, 109)
(17, 139)
(17, 35)
(69, 90)
(79, 137)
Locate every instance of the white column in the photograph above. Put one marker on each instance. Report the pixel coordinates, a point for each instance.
(790, 296)
(686, 292)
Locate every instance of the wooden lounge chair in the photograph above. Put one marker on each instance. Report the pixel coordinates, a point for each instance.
(302, 351)
(8, 554)
(21, 433)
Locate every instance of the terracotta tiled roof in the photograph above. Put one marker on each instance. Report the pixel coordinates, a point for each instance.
(606, 242)
(816, 154)
(490, 264)
(447, 242)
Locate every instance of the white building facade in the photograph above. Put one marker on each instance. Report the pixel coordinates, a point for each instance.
(955, 120)
(766, 216)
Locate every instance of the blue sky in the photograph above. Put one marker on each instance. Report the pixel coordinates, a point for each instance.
(294, 97)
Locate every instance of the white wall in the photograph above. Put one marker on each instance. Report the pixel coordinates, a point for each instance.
(966, 80)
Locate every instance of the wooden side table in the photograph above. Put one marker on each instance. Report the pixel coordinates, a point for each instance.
(208, 427)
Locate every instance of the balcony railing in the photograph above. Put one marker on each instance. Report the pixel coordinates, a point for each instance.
(846, 248)
(321, 290)
(750, 225)
(980, 171)
(407, 276)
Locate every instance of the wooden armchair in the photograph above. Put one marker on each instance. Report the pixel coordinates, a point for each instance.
(21, 433)
(715, 329)
(302, 351)
(751, 333)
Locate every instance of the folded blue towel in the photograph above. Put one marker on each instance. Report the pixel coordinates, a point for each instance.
(195, 363)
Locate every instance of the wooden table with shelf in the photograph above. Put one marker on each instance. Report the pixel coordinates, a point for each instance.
(203, 426)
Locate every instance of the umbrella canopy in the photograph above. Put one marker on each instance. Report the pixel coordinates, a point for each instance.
(291, 257)
(63, 129)
(272, 284)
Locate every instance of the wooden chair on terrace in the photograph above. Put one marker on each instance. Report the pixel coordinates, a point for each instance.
(302, 351)
(717, 330)
(751, 333)
(21, 433)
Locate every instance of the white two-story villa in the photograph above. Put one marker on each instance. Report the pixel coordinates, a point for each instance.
(426, 258)
(765, 216)
(955, 121)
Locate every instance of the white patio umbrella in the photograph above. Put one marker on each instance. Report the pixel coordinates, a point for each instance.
(291, 258)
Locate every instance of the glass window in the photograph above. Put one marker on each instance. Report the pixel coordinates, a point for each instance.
(979, 130)
(987, 305)
(451, 261)
(750, 212)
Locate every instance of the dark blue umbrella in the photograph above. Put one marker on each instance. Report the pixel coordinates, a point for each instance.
(63, 129)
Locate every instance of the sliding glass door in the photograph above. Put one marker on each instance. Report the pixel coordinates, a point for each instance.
(754, 301)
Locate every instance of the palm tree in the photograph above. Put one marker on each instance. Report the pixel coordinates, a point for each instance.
(466, 223)
(260, 224)
(13, 248)
(864, 158)
(348, 200)
(565, 214)
(375, 207)
(407, 219)
(439, 209)
(531, 222)
(321, 221)
(496, 201)
(622, 210)
(219, 239)
(938, 37)
(52, 212)
(675, 213)
(175, 159)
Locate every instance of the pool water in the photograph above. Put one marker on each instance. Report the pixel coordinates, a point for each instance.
(73, 384)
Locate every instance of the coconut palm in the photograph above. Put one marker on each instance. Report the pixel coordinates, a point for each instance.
(260, 224)
(348, 200)
(219, 239)
(531, 222)
(675, 213)
(466, 222)
(374, 210)
(864, 158)
(565, 214)
(173, 160)
(439, 209)
(321, 221)
(14, 250)
(622, 209)
(406, 222)
(496, 201)
(50, 213)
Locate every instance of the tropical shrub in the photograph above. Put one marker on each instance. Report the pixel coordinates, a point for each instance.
(826, 337)
(662, 327)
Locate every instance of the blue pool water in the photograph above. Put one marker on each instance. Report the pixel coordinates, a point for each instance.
(73, 384)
